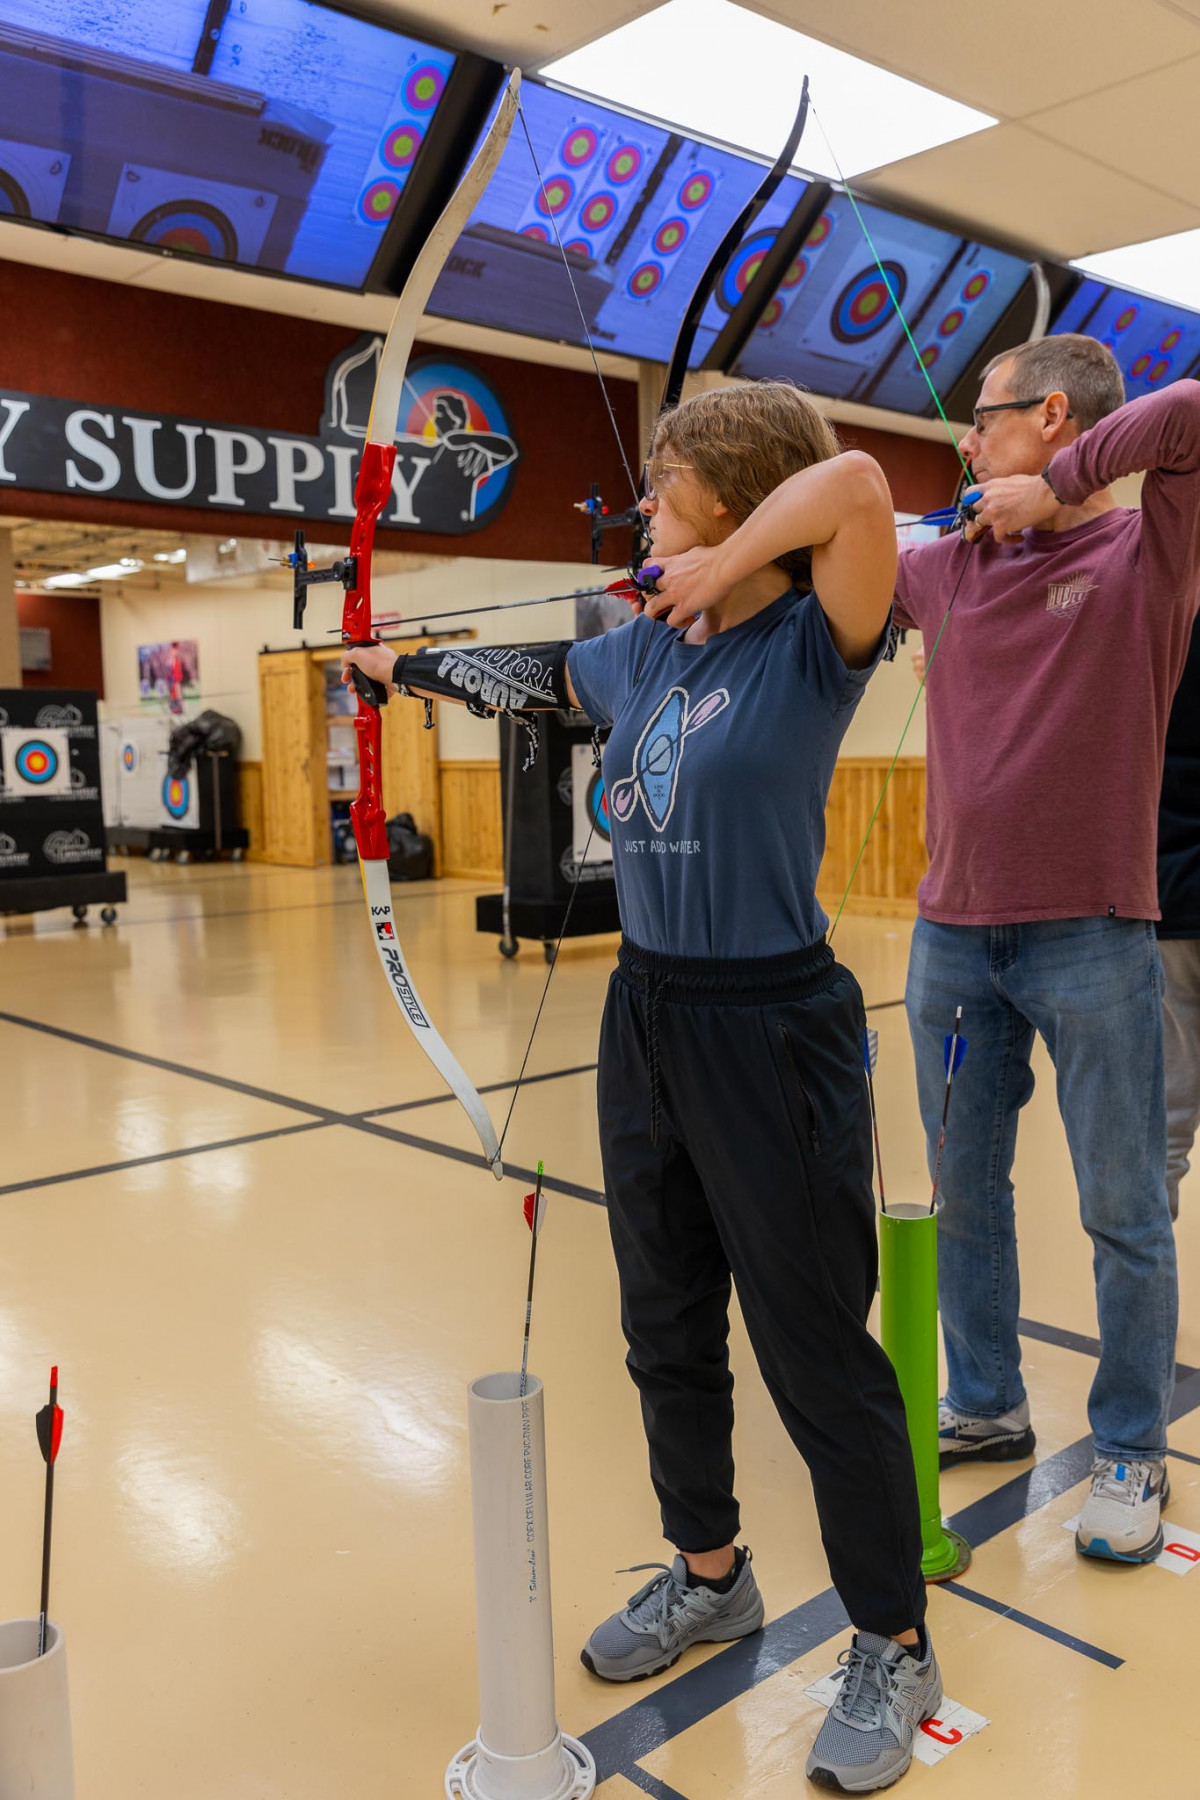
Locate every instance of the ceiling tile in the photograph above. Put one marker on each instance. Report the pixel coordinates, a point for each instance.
(528, 32)
(1146, 127)
(1012, 181)
(1024, 57)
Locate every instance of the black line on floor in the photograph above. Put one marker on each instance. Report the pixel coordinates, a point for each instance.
(649, 1723)
(160, 1156)
(1066, 1638)
(553, 1184)
(883, 1005)
(650, 1784)
(1183, 1455)
(174, 1068)
(492, 1087)
(1078, 1340)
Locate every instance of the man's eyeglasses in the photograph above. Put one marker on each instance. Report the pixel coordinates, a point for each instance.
(1008, 406)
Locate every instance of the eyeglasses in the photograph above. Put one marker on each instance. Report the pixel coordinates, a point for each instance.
(648, 489)
(1008, 406)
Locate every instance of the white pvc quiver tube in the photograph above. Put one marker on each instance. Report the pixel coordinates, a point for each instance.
(35, 1714)
(519, 1752)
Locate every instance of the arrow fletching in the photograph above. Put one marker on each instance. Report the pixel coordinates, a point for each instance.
(535, 1207)
(49, 1423)
(870, 1049)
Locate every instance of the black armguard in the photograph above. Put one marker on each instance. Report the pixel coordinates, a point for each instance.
(491, 678)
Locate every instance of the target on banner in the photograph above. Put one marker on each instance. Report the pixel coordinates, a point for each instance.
(176, 795)
(578, 245)
(670, 236)
(743, 266)
(696, 190)
(36, 762)
(555, 196)
(1125, 318)
(951, 323)
(597, 807)
(424, 87)
(1160, 371)
(930, 355)
(599, 212)
(1171, 340)
(820, 231)
(579, 146)
(377, 202)
(623, 164)
(772, 313)
(868, 302)
(795, 274)
(191, 226)
(645, 278)
(400, 145)
(129, 758)
(538, 233)
(977, 286)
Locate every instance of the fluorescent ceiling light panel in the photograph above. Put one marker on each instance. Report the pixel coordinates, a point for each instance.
(713, 68)
(1168, 267)
(67, 580)
(118, 571)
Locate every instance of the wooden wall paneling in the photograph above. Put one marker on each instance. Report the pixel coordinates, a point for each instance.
(886, 883)
(250, 806)
(291, 688)
(472, 831)
(411, 780)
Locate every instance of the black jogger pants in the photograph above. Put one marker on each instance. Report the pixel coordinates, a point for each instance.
(737, 1144)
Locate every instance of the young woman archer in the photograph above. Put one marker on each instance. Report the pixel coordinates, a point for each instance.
(733, 1115)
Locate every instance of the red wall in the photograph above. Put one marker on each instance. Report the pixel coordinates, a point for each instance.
(74, 624)
(116, 345)
(105, 342)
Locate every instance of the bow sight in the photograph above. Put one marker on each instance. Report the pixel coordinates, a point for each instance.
(305, 576)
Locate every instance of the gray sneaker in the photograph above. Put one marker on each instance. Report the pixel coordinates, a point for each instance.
(962, 1439)
(664, 1618)
(1121, 1519)
(866, 1741)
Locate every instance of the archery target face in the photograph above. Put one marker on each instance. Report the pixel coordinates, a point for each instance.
(213, 219)
(589, 807)
(37, 764)
(179, 800)
(865, 305)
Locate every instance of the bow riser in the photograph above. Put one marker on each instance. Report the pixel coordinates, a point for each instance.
(371, 495)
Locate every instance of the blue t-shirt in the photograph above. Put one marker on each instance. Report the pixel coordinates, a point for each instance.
(717, 773)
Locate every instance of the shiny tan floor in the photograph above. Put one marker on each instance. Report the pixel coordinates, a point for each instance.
(266, 1310)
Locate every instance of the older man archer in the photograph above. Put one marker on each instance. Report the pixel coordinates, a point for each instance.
(1048, 700)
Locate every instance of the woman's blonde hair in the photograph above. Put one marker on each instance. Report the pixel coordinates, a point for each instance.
(741, 442)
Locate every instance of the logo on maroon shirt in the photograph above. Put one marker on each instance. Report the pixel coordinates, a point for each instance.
(1068, 596)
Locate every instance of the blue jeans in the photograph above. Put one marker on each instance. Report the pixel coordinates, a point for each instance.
(1093, 989)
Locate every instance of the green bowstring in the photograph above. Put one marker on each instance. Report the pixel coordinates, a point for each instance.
(966, 469)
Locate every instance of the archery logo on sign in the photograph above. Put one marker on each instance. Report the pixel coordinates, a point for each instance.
(11, 857)
(454, 451)
(37, 764)
(394, 969)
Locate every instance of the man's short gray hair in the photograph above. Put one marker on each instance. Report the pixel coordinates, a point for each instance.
(1080, 367)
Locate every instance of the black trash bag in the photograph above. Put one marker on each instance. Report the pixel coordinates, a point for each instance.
(410, 852)
(208, 734)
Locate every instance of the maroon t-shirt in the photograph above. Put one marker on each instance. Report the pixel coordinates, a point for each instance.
(1048, 699)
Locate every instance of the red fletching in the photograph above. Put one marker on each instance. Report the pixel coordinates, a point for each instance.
(49, 1431)
(530, 1199)
(626, 589)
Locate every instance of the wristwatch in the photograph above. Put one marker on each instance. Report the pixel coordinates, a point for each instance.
(1051, 486)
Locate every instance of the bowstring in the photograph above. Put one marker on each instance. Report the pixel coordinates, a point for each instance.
(636, 492)
(966, 469)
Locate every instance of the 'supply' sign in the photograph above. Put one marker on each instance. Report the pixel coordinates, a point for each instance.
(454, 462)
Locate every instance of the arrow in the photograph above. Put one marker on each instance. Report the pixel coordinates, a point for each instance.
(49, 1424)
(954, 1049)
(535, 1218)
(870, 1058)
